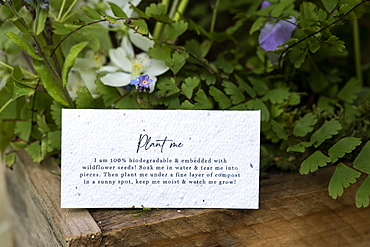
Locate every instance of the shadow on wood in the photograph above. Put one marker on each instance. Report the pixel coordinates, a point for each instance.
(295, 210)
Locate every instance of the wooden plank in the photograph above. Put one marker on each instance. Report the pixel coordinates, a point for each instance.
(35, 213)
(295, 210)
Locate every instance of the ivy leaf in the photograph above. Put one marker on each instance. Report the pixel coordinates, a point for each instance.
(190, 84)
(300, 147)
(178, 61)
(313, 162)
(70, 60)
(117, 11)
(222, 100)
(304, 126)
(257, 104)
(202, 101)
(363, 194)
(24, 45)
(325, 132)
(336, 42)
(90, 12)
(34, 150)
(236, 94)
(349, 92)
(279, 130)
(345, 145)
(362, 161)
(85, 99)
(277, 96)
(343, 177)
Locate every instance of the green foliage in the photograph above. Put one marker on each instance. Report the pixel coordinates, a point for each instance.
(305, 125)
(342, 178)
(363, 194)
(70, 60)
(313, 162)
(326, 131)
(345, 145)
(362, 161)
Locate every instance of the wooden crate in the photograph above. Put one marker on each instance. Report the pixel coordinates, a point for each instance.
(295, 210)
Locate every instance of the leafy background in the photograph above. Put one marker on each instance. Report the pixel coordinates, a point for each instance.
(313, 92)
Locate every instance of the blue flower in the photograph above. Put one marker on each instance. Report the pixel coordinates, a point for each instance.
(142, 82)
(274, 34)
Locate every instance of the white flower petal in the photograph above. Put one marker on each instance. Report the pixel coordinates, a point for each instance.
(120, 59)
(127, 46)
(152, 84)
(117, 79)
(88, 79)
(140, 41)
(108, 68)
(156, 67)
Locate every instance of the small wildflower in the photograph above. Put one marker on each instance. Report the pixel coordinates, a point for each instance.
(142, 82)
(44, 4)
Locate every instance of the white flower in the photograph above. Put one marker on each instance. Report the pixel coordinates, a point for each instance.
(84, 73)
(126, 66)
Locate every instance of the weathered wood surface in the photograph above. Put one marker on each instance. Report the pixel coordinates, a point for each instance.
(295, 210)
(35, 214)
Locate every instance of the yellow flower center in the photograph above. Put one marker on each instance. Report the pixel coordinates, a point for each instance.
(136, 68)
(144, 82)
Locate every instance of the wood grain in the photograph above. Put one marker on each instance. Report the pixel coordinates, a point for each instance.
(295, 210)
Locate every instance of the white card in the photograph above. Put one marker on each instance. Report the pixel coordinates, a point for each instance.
(160, 159)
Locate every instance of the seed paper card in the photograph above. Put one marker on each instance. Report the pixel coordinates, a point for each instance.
(160, 159)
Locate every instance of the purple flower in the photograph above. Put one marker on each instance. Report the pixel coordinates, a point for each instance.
(274, 34)
(142, 82)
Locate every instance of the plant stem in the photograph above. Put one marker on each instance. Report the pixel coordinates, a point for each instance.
(64, 18)
(159, 25)
(357, 50)
(180, 9)
(61, 10)
(214, 16)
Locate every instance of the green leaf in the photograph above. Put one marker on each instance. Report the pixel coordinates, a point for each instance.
(257, 24)
(277, 95)
(20, 90)
(161, 52)
(312, 163)
(41, 17)
(20, 23)
(202, 101)
(49, 83)
(279, 130)
(304, 126)
(259, 84)
(325, 132)
(117, 11)
(350, 91)
(257, 104)
(222, 100)
(10, 160)
(178, 61)
(363, 194)
(139, 26)
(23, 44)
(167, 87)
(236, 94)
(175, 29)
(362, 161)
(34, 150)
(84, 99)
(300, 147)
(343, 177)
(70, 60)
(60, 29)
(246, 86)
(155, 9)
(90, 12)
(109, 94)
(334, 40)
(110, 19)
(330, 4)
(56, 113)
(345, 145)
(54, 139)
(128, 102)
(42, 126)
(190, 84)
(23, 129)
(186, 105)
